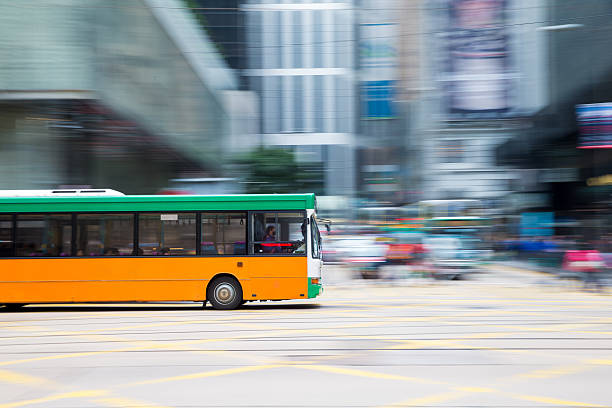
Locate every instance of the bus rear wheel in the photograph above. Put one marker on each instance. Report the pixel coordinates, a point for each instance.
(224, 293)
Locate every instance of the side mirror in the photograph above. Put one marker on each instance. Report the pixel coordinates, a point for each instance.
(327, 227)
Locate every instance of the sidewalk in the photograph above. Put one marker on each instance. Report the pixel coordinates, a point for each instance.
(529, 266)
(605, 275)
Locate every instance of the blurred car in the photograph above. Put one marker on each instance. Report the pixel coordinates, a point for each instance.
(329, 250)
(452, 257)
(365, 254)
(405, 249)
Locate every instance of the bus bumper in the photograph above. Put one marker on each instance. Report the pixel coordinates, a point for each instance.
(314, 287)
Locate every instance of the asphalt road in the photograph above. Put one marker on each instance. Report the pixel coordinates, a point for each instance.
(508, 338)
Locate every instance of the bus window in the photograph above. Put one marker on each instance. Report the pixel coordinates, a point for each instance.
(161, 234)
(44, 235)
(6, 235)
(224, 233)
(279, 233)
(105, 234)
(316, 239)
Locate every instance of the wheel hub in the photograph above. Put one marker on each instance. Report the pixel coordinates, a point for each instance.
(225, 293)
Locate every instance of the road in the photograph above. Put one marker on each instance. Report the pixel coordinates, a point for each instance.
(507, 338)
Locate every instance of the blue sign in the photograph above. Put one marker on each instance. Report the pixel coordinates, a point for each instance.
(537, 224)
(377, 99)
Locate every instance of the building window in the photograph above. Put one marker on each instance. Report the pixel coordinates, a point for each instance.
(298, 104)
(167, 234)
(6, 235)
(272, 104)
(44, 235)
(298, 39)
(224, 233)
(318, 47)
(319, 101)
(105, 234)
(279, 233)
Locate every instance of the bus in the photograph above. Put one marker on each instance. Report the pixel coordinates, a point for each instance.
(67, 246)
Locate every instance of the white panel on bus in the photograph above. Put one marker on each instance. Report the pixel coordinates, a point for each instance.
(61, 193)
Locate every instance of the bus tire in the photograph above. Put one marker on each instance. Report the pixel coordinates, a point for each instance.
(11, 307)
(224, 293)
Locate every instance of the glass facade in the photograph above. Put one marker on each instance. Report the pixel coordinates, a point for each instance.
(294, 40)
(131, 62)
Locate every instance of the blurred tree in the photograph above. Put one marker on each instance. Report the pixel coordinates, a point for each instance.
(274, 170)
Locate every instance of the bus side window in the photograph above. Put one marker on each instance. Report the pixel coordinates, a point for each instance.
(167, 234)
(44, 235)
(224, 233)
(105, 234)
(279, 233)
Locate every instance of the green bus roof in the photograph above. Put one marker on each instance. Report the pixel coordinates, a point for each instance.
(158, 203)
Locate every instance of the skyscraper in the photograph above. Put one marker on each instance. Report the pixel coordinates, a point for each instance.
(300, 62)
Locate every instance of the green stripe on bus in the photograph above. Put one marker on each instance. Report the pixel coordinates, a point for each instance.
(158, 203)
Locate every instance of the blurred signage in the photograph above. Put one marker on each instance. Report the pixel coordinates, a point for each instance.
(378, 59)
(477, 79)
(537, 224)
(605, 180)
(595, 123)
(458, 223)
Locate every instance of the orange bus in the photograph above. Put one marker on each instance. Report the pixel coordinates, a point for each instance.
(68, 246)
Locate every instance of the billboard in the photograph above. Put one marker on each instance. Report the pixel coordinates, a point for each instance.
(537, 224)
(595, 124)
(378, 63)
(477, 77)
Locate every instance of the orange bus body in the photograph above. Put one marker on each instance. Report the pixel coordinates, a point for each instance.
(61, 280)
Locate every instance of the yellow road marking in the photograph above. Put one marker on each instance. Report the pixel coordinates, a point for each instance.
(554, 372)
(204, 374)
(16, 378)
(55, 397)
(601, 362)
(554, 401)
(152, 345)
(366, 374)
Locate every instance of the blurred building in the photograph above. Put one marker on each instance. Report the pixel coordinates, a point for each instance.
(225, 25)
(301, 64)
(565, 157)
(381, 126)
(482, 80)
(124, 94)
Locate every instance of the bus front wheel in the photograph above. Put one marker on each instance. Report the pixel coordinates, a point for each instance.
(224, 293)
